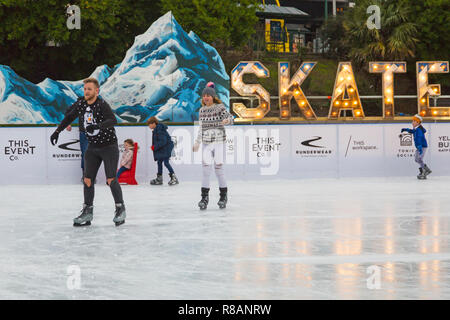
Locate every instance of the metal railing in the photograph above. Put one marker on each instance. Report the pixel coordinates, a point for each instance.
(252, 99)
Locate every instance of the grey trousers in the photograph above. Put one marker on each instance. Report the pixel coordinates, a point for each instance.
(419, 157)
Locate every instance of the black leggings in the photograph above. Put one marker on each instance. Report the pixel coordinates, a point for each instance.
(93, 158)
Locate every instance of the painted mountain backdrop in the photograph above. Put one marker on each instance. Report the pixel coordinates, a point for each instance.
(162, 75)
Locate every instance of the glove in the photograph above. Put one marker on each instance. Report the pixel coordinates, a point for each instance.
(90, 128)
(153, 148)
(54, 137)
(403, 130)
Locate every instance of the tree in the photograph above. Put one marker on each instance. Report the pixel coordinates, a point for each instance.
(432, 18)
(228, 23)
(395, 40)
(108, 28)
(334, 38)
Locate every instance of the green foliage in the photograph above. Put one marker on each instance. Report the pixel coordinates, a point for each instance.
(227, 23)
(432, 18)
(334, 33)
(410, 30)
(395, 40)
(108, 28)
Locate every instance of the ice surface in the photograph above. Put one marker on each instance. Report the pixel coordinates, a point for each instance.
(278, 239)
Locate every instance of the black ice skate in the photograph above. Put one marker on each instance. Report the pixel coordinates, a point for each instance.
(205, 199)
(85, 218)
(223, 198)
(120, 214)
(426, 170)
(158, 180)
(421, 175)
(173, 179)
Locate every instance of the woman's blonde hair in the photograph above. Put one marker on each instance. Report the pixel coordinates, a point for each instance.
(216, 100)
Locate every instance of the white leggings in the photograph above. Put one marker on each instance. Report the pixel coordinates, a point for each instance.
(213, 153)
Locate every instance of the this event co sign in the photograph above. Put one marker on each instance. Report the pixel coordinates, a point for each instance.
(345, 92)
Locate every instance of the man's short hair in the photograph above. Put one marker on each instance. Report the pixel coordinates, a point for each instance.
(92, 80)
(152, 120)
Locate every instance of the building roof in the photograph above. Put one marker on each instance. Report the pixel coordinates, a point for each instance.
(296, 27)
(274, 10)
(323, 0)
(282, 1)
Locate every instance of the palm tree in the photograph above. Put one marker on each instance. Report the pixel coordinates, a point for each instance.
(395, 40)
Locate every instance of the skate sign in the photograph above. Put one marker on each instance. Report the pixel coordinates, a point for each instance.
(345, 94)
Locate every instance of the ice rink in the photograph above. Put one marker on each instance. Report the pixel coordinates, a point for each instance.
(351, 238)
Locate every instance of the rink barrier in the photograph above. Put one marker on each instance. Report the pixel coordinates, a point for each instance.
(253, 152)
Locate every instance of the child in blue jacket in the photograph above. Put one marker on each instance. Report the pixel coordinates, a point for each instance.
(162, 146)
(421, 144)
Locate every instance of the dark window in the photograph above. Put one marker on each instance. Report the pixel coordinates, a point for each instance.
(276, 33)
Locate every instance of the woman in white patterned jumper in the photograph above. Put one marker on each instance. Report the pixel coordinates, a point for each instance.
(212, 117)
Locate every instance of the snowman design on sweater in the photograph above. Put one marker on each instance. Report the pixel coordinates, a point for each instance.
(90, 120)
(99, 113)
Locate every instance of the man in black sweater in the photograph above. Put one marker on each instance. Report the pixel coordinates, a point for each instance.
(96, 118)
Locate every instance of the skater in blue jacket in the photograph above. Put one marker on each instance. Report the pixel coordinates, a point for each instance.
(421, 144)
(162, 146)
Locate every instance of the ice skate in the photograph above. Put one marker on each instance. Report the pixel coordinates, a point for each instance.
(120, 214)
(426, 170)
(158, 180)
(173, 179)
(421, 175)
(223, 198)
(85, 218)
(205, 199)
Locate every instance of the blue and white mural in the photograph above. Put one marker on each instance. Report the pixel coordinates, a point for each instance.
(162, 74)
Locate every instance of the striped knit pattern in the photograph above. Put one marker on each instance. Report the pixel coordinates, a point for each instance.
(211, 127)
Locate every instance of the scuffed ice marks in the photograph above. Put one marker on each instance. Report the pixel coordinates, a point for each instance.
(162, 74)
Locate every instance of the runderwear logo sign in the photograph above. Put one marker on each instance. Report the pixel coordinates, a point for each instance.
(68, 146)
(308, 142)
(18, 149)
(65, 146)
(313, 148)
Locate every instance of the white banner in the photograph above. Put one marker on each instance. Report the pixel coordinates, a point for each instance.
(314, 151)
(267, 152)
(23, 155)
(438, 154)
(64, 158)
(252, 152)
(361, 150)
(400, 150)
